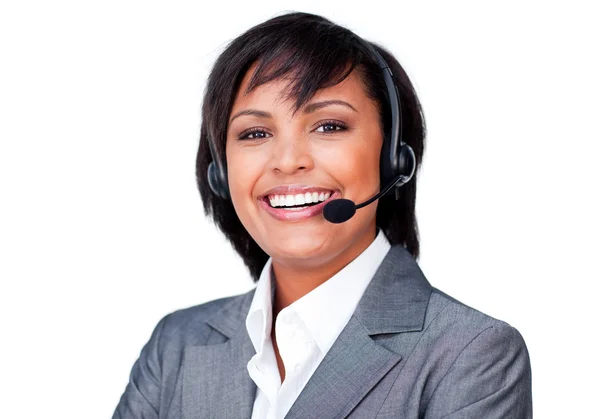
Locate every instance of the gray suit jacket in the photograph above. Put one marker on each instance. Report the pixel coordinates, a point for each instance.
(408, 351)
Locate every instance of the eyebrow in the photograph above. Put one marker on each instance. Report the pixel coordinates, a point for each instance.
(310, 108)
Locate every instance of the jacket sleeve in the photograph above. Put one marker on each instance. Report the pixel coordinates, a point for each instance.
(490, 379)
(141, 399)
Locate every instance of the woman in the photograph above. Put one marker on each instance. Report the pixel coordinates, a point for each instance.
(299, 113)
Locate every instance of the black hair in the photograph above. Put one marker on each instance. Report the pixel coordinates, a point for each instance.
(317, 53)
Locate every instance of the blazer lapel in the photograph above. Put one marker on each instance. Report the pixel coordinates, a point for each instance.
(216, 383)
(395, 301)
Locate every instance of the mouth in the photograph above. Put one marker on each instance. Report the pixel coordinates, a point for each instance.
(297, 201)
(297, 205)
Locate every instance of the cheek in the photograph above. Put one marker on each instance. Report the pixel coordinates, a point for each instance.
(355, 165)
(243, 171)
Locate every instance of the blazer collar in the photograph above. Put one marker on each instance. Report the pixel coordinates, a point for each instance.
(395, 301)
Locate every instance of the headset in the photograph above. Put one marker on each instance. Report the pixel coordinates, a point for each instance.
(397, 164)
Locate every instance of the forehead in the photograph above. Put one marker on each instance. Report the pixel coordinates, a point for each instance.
(274, 94)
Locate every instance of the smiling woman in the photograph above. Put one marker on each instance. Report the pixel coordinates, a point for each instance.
(298, 114)
(331, 148)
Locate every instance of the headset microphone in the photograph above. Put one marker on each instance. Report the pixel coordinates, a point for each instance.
(341, 210)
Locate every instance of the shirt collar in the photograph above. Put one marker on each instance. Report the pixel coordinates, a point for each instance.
(260, 315)
(335, 300)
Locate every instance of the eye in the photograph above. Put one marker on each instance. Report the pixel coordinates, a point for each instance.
(331, 127)
(253, 134)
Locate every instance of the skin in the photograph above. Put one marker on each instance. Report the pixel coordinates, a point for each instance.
(293, 149)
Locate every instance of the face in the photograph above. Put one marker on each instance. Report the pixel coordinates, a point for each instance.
(283, 168)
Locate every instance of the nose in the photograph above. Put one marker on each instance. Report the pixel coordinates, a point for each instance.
(291, 154)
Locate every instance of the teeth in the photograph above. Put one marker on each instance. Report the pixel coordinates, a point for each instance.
(298, 199)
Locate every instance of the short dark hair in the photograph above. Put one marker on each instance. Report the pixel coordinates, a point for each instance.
(318, 54)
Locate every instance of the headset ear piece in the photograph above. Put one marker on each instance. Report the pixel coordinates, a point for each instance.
(215, 182)
(213, 178)
(406, 162)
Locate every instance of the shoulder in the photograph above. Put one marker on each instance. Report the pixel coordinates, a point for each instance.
(474, 360)
(448, 316)
(154, 375)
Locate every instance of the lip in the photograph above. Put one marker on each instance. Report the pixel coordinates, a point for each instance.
(296, 215)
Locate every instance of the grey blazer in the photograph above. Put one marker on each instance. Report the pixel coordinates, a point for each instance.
(408, 351)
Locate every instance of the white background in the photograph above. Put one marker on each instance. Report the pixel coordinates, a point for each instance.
(102, 230)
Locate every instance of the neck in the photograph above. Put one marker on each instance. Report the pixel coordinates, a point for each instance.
(293, 281)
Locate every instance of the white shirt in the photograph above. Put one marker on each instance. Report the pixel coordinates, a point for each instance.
(305, 330)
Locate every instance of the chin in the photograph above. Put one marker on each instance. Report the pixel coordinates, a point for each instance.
(299, 246)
